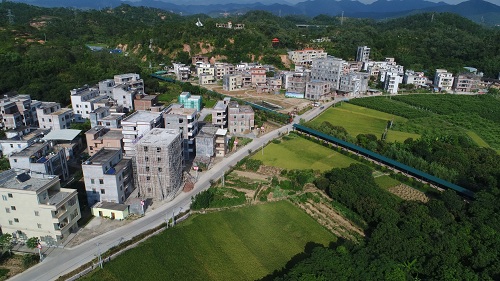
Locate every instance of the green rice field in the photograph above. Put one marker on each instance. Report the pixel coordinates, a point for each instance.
(300, 153)
(361, 120)
(240, 244)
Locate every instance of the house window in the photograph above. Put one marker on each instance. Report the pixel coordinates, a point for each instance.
(10, 195)
(148, 178)
(92, 181)
(4, 198)
(159, 159)
(7, 210)
(13, 208)
(160, 169)
(10, 222)
(145, 149)
(39, 225)
(16, 220)
(37, 213)
(158, 149)
(147, 169)
(146, 159)
(103, 191)
(94, 190)
(11, 145)
(101, 181)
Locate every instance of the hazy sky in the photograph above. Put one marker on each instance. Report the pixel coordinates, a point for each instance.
(496, 2)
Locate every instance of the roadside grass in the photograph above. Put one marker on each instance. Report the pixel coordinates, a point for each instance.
(360, 120)
(477, 139)
(386, 182)
(300, 153)
(239, 244)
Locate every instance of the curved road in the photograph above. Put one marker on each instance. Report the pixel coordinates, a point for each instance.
(62, 261)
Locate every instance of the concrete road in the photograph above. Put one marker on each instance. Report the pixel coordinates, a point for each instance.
(61, 261)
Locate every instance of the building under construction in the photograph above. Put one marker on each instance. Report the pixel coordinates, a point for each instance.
(159, 163)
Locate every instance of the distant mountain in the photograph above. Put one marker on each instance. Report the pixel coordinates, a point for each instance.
(477, 10)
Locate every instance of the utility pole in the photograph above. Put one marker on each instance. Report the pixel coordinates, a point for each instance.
(10, 16)
(99, 258)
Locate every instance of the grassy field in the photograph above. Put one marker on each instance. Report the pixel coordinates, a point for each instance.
(477, 139)
(299, 153)
(361, 120)
(239, 244)
(386, 182)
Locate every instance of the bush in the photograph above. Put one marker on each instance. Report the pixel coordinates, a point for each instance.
(253, 164)
(30, 260)
(276, 141)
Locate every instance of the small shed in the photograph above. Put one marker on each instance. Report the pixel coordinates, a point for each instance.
(114, 211)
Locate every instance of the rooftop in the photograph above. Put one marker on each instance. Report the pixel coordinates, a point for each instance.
(11, 180)
(102, 156)
(62, 111)
(58, 197)
(114, 116)
(220, 105)
(182, 111)
(100, 109)
(30, 150)
(113, 135)
(110, 206)
(207, 131)
(149, 97)
(142, 116)
(159, 136)
(221, 132)
(48, 104)
(65, 134)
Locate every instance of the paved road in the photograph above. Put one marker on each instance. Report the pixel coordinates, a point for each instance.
(61, 261)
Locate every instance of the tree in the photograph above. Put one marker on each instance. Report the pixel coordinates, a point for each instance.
(6, 242)
(32, 242)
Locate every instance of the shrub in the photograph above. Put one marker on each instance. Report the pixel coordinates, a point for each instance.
(276, 141)
(30, 260)
(253, 164)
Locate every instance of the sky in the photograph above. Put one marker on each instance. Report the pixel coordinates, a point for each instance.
(496, 2)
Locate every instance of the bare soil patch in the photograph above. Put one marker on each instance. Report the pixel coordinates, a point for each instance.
(96, 227)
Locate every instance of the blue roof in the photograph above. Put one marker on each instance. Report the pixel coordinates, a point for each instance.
(400, 166)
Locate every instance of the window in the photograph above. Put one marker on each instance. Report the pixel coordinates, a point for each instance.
(145, 149)
(159, 159)
(146, 159)
(50, 120)
(158, 149)
(101, 181)
(13, 208)
(147, 169)
(10, 222)
(103, 191)
(94, 190)
(37, 213)
(92, 181)
(11, 145)
(121, 187)
(10, 195)
(7, 210)
(4, 198)
(91, 148)
(148, 178)
(39, 225)
(160, 169)
(149, 190)
(16, 220)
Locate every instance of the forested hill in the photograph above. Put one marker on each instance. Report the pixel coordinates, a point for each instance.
(43, 51)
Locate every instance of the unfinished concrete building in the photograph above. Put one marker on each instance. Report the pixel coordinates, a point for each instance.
(159, 164)
(184, 120)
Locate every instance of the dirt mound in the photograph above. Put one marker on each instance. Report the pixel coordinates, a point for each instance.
(408, 193)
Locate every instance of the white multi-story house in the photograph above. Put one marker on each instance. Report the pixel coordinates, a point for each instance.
(36, 206)
(306, 56)
(43, 158)
(108, 176)
(329, 70)
(136, 125)
(52, 116)
(132, 80)
(354, 83)
(443, 80)
(363, 54)
(83, 100)
(222, 69)
(392, 80)
(232, 82)
(415, 78)
(124, 96)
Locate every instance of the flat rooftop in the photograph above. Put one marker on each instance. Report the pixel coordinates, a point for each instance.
(113, 135)
(83, 91)
(207, 131)
(102, 156)
(65, 134)
(149, 97)
(100, 109)
(142, 116)
(182, 111)
(110, 206)
(11, 180)
(113, 116)
(220, 105)
(159, 137)
(62, 111)
(30, 150)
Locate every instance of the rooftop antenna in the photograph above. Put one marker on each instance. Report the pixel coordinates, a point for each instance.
(10, 16)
